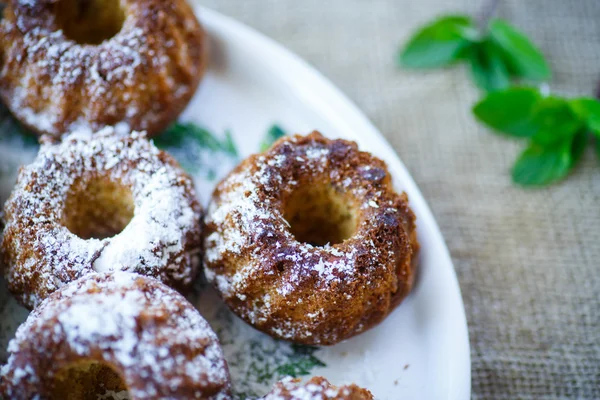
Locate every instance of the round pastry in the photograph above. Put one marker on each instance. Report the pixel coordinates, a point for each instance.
(309, 242)
(97, 203)
(71, 63)
(115, 333)
(317, 388)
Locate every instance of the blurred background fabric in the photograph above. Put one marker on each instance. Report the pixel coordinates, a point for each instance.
(528, 260)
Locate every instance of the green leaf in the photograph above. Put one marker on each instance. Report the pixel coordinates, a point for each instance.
(177, 134)
(12, 129)
(203, 137)
(301, 362)
(555, 120)
(184, 141)
(525, 60)
(29, 138)
(580, 141)
(589, 111)
(228, 145)
(439, 43)
(509, 111)
(487, 67)
(541, 165)
(273, 134)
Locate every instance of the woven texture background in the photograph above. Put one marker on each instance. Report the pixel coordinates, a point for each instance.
(528, 260)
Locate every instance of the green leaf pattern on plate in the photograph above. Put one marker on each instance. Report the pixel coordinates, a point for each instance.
(256, 360)
(196, 148)
(273, 134)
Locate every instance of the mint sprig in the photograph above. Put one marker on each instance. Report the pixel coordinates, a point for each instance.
(497, 54)
(522, 58)
(589, 111)
(509, 111)
(556, 128)
(440, 43)
(540, 165)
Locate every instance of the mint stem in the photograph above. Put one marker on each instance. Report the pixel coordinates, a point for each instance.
(487, 12)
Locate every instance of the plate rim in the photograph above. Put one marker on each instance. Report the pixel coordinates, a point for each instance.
(338, 104)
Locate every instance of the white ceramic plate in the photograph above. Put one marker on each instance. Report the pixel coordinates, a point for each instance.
(421, 351)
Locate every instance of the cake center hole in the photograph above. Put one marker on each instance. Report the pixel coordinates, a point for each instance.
(88, 381)
(89, 21)
(98, 209)
(319, 215)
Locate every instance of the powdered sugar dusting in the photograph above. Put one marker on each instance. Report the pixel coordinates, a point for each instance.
(96, 68)
(149, 332)
(315, 389)
(249, 245)
(161, 240)
(63, 85)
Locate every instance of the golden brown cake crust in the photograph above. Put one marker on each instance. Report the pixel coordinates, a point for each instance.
(144, 75)
(291, 289)
(58, 227)
(317, 388)
(154, 342)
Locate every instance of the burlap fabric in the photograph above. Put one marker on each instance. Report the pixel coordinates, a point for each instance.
(528, 260)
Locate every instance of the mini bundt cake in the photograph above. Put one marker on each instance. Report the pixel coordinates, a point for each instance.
(309, 242)
(99, 202)
(115, 333)
(317, 388)
(67, 64)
